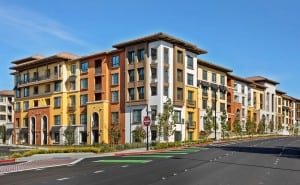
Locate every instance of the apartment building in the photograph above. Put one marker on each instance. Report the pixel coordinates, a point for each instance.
(212, 81)
(279, 111)
(267, 110)
(241, 96)
(41, 98)
(158, 67)
(7, 114)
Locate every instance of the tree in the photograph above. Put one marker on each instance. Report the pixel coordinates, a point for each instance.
(208, 122)
(250, 126)
(237, 129)
(261, 126)
(114, 133)
(2, 132)
(271, 126)
(280, 127)
(139, 134)
(224, 123)
(69, 135)
(166, 120)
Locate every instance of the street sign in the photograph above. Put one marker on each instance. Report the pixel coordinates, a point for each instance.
(147, 121)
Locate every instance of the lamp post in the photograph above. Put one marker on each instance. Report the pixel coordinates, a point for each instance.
(215, 114)
(129, 119)
(181, 133)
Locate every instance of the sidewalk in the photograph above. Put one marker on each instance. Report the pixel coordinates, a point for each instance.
(40, 161)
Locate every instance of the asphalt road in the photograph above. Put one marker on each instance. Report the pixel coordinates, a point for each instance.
(269, 161)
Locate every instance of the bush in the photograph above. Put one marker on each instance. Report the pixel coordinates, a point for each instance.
(16, 155)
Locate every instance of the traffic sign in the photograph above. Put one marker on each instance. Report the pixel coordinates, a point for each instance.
(147, 121)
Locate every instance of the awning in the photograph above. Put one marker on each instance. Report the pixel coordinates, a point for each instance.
(204, 84)
(214, 86)
(71, 79)
(223, 88)
(56, 128)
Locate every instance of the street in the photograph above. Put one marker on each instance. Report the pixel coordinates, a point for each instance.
(266, 161)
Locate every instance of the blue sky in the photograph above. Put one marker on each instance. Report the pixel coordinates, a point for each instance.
(257, 37)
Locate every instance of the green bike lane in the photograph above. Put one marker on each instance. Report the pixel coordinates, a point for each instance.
(152, 155)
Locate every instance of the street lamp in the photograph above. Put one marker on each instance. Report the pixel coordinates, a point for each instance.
(215, 114)
(129, 119)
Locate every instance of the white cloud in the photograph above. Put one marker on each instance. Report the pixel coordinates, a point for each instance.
(35, 24)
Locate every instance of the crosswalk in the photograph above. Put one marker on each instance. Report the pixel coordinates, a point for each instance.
(148, 157)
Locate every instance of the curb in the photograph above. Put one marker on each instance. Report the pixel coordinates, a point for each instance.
(7, 161)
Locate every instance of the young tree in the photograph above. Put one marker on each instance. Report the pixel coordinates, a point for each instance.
(271, 126)
(2, 133)
(237, 129)
(208, 122)
(139, 134)
(261, 126)
(250, 126)
(115, 134)
(280, 127)
(166, 120)
(224, 124)
(69, 135)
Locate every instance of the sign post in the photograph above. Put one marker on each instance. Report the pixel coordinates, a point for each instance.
(147, 122)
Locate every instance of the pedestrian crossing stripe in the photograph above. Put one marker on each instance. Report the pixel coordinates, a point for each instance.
(122, 161)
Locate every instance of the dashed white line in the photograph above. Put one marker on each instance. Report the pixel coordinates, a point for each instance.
(61, 179)
(125, 166)
(99, 171)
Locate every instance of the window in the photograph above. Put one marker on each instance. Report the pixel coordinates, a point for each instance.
(35, 103)
(72, 119)
(179, 94)
(84, 83)
(25, 122)
(166, 91)
(47, 88)
(57, 102)
(47, 101)
(166, 55)
(35, 76)
(222, 80)
(84, 67)
(179, 57)
(222, 95)
(131, 93)
(26, 91)
(204, 104)
(204, 91)
(131, 75)
(83, 99)
(57, 86)
(243, 101)
(114, 117)
(57, 119)
(153, 112)
(166, 75)
(141, 55)
(72, 100)
(153, 73)
(141, 93)
(115, 96)
(243, 89)
(153, 53)
(190, 80)
(204, 75)
(2, 99)
(213, 107)
(141, 74)
(243, 112)
(222, 107)
(177, 116)
(190, 63)
(190, 118)
(131, 57)
(35, 90)
(72, 86)
(26, 77)
(83, 119)
(115, 79)
(73, 69)
(115, 61)
(153, 90)
(17, 122)
(18, 93)
(179, 75)
(137, 116)
(2, 108)
(279, 101)
(214, 77)
(18, 107)
(56, 137)
(25, 105)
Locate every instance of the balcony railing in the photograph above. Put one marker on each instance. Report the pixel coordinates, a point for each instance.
(71, 107)
(191, 124)
(40, 79)
(98, 71)
(98, 87)
(191, 103)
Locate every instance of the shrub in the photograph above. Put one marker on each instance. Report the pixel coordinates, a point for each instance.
(16, 155)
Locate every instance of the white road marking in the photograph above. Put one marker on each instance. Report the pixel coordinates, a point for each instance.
(61, 179)
(125, 166)
(99, 171)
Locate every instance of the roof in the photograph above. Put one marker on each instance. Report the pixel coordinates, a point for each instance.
(53, 58)
(239, 78)
(7, 93)
(280, 92)
(161, 36)
(212, 65)
(28, 59)
(262, 79)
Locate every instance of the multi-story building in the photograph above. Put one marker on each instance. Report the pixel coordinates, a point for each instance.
(279, 111)
(212, 81)
(242, 102)
(258, 102)
(158, 67)
(297, 115)
(268, 111)
(6, 114)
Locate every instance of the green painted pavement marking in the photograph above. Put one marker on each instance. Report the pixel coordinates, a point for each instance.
(122, 161)
(149, 156)
(190, 151)
(173, 153)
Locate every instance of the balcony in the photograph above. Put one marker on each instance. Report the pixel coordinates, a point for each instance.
(40, 79)
(191, 103)
(71, 107)
(191, 124)
(98, 88)
(98, 71)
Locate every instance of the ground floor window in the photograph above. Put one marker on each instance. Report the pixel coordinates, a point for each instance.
(177, 136)
(56, 137)
(83, 136)
(190, 136)
(153, 135)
